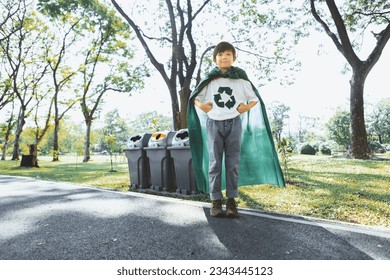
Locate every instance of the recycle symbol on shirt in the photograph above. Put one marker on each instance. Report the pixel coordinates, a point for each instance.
(225, 98)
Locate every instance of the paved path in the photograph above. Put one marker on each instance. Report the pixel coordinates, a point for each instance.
(51, 220)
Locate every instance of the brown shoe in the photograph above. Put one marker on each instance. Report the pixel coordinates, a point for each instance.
(216, 208)
(231, 208)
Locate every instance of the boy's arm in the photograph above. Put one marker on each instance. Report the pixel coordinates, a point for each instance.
(242, 108)
(205, 107)
(250, 96)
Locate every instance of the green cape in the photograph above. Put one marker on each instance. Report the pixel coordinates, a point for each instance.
(259, 163)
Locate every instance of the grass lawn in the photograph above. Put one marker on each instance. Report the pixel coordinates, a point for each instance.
(332, 188)
(95, 173)
(341, 189)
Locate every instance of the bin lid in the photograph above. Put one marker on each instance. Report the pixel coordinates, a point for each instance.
(181, 138)
(158, 139)
(138, 140)
(158, 136)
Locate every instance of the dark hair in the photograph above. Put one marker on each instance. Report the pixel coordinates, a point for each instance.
(224, 46)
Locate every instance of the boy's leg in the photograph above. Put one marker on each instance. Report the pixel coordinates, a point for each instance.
(215, 144)
(232, 155)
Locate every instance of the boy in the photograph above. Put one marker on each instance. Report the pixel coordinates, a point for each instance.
(223, 97)
(223, 100)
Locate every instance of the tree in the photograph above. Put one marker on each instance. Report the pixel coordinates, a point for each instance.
(178, 33)
(9, 9)
(150, 122)
(6, 132)
(40, 131)
(61, 75)
(305, 124)
(279, 115)
(8, 27)
(111, 49)
(188, 27)
(114, 126)
(379, 121)
(24, 64)
(110, 145)
(339, 128)
(70, 136)
(357, 17)
(66, 32)
(106, 50)
(114, 134)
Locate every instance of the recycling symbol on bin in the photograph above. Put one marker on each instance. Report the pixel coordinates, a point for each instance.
(225, 98)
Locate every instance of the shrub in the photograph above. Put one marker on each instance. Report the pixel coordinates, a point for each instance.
(307, 149)
(316, 145)
(325, 149)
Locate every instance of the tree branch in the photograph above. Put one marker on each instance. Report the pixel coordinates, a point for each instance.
(379, 14)
(175, 47)
(200, 9)
(383, 38)
(325, 26)
(181, 55)
(159, 66)
(155, 38)
(344, 45)
(200, 63)
(191, 40)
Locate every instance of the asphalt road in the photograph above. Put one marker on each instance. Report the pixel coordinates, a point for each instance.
(42, 220)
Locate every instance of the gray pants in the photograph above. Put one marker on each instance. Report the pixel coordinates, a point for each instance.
(224, 136)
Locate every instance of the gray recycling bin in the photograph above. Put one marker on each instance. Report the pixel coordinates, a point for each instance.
(138, 161)
(162, 173)
(182, 159)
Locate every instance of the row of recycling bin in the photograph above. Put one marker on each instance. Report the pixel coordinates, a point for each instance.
(161, 161)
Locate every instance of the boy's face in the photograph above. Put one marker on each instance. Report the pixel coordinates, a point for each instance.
(224, 60)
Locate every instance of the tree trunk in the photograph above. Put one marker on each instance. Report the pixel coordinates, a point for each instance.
(6, 138)
(55, 141)
(87, 142)
(5, 147)
(184, 96)
(15, 153)
(4, 151)
(359, 144)
(19, 129)
(175, 107)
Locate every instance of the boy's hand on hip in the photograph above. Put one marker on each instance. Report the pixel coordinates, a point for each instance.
(242, 108)
(205, 107)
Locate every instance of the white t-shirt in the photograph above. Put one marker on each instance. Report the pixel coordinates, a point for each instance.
(226, 94)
